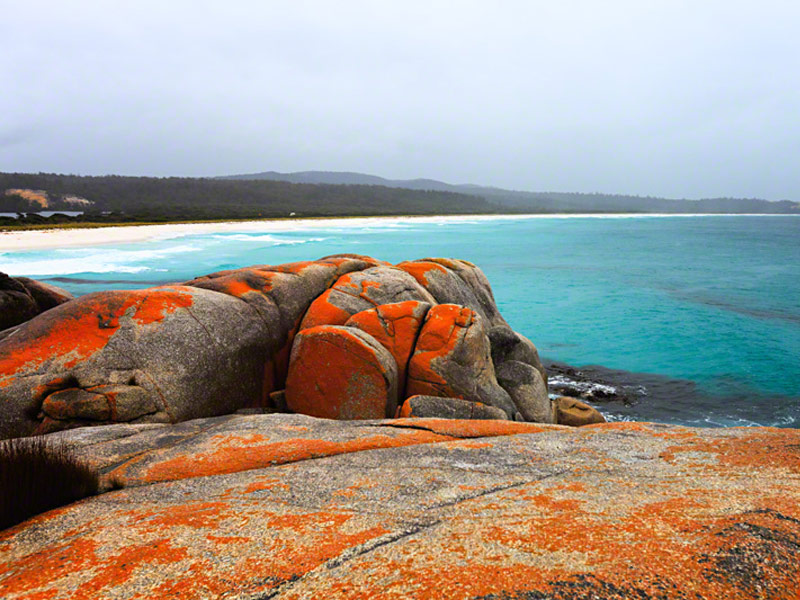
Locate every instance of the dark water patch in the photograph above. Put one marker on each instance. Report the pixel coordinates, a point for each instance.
(79, 281)
(626, 396)
(746, 311)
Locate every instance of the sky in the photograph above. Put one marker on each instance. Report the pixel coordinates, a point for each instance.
(683, 99)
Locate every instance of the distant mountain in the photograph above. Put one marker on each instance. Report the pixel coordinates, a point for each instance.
(186, 198)
(517, 201)
(350, 178)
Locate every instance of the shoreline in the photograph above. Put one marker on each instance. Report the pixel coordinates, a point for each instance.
(53, 238)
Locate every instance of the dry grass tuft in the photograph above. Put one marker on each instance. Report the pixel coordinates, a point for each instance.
(37, 475)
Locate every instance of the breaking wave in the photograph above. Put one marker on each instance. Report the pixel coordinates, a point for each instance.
(89, 260)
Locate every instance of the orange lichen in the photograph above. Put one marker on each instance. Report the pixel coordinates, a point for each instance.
(419, 270)
(115, 570)
(442, 330)
(191, 514)
(38, 569)
(461, 428)
(76, 330)
(335, 374)
(234, 458)
(395, 326)
(324, 312)
(764, 448)
(228, 539)
(472, 445)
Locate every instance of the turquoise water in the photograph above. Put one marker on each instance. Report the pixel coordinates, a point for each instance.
(710, 303)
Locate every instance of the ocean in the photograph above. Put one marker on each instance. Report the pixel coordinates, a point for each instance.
(679, 319)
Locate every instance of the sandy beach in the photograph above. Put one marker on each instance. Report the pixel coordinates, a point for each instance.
(42, 239)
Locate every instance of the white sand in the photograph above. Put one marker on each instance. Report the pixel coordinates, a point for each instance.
(64, 238)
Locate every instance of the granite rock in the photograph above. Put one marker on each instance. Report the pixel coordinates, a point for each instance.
(288, 506)
(341, 373)
(452, 359)
(573, 412)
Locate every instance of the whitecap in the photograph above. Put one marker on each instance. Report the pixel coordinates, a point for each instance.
(70, 261)
(265, 238)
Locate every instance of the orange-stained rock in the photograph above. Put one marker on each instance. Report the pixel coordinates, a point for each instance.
(327, 309)
(452, 359)
(396, 327)
(291, 507)
(447, 408)
(363, 290)
(341, 373)
(171, 353)
(281, 294)
(572, 412)
(454, 281)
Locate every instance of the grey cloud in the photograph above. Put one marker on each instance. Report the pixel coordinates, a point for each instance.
(671, 98)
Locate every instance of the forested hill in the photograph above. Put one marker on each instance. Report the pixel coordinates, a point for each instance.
(316, 193)
(545, 201)
(194, 198)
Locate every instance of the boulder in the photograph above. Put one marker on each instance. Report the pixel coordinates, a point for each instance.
(452, 359)
(527, 389)
(363, 290)
(46, 296)
(448, 408)
(572, 412)
(507, 344)
(290, 507)
(396, 327)
(340, 372)
(475, 281)
(281, 295)
(162, 354)
(22, 299)
(16, 303)
(444, 285)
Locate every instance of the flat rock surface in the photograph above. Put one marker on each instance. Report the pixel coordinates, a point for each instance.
(289, 506)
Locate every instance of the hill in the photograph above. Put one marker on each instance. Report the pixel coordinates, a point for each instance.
(543, 201)
(175, 198)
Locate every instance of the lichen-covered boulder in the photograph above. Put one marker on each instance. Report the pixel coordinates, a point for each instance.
(572, 412)
(281, 295)
(22, 299)
(448, 408)
(440, 276)
(161, 354)
(363, 290)
(527, 389)
(292, 507)
(340, 372)
(452, 359)
(396, 327)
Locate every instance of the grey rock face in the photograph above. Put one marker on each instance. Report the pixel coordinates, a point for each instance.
(448, 408)
(452, 359)
(22, 299)
(527, 389)
(168, 354)
(507, 344)
(476, 280)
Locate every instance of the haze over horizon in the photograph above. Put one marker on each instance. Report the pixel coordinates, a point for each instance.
(673, 99)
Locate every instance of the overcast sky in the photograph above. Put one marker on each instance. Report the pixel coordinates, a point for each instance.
(674, 98)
